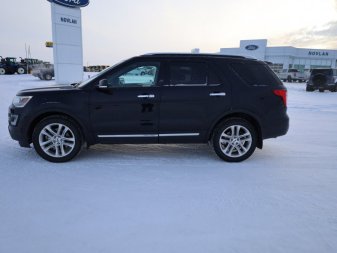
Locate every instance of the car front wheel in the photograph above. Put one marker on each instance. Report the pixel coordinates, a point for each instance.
(235, 140)
(57, 139)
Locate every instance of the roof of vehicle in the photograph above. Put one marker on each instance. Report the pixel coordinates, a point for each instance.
(191, 55)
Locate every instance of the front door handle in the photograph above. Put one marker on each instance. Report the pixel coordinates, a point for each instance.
(218, 94)
(146, 96)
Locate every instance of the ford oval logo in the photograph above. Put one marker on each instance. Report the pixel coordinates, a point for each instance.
(71, 3)
(252, 47)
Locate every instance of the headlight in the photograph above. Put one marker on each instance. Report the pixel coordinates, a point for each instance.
(21, 101)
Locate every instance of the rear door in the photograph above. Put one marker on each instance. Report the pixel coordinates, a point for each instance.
(192, 98)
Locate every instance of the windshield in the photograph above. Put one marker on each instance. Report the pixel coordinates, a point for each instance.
(84, 83)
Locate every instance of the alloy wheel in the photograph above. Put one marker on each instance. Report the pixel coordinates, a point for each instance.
(57, 140)
(235, 141)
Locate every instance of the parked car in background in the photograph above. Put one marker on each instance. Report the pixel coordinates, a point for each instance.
(293, 75)
(323, 79)
(231, 102)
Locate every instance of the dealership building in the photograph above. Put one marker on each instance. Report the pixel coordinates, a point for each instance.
(285, 57)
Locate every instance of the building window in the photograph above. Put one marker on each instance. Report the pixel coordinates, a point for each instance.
(276, 67)
(299, 67)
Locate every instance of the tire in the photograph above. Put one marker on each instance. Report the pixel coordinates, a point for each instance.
(21, 71)
(234, 140)
(57, 139)
(321, 90)
(309, 89)
(289, 79)
(2, 71)
(334, 89)
(47, 77)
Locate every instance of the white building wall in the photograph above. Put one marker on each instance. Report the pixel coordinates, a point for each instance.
(287, 56)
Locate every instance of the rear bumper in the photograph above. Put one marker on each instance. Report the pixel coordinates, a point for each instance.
(277, 126)
(322, 86)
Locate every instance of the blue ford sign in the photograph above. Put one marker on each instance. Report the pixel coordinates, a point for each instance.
(252, 47)
(71, 3)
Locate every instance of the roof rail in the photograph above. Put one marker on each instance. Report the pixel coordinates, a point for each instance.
(194, 55)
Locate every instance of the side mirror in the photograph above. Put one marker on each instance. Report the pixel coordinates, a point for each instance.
(103, 84)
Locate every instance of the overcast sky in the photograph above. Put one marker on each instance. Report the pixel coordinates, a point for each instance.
(115, 30)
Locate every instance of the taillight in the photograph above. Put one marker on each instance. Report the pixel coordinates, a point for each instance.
(282, 94)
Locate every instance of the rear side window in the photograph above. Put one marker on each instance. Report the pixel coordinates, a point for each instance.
(189, 73)
(255, 74)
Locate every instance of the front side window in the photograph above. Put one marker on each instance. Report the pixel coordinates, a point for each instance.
(188, 73)
(135, 75)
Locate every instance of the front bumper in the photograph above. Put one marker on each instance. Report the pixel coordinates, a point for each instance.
(16, 127)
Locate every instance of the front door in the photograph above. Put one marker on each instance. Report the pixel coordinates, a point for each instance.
(127, 110)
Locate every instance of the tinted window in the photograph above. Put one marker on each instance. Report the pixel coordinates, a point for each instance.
(255, 74)
(188, 73)
(135, 75)
(322, 71)
(213, 77)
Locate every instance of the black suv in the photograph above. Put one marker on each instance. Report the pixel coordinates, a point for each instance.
(232, 102)
(323, 79)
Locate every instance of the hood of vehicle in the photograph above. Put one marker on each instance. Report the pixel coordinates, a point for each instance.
(59, 88)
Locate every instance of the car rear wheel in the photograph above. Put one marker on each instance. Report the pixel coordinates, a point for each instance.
(235, 140)
(57, 139)
(309, 89)
(321, 90)
(2, 71)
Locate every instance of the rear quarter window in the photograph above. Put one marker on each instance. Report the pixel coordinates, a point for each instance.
(255, 74)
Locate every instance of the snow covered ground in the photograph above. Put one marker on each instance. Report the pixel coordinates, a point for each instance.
(175, 198)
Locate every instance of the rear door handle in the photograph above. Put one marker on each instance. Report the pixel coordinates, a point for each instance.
(146, 96)
(218, 94)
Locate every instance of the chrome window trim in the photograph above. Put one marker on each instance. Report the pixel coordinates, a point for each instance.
(185, 85)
